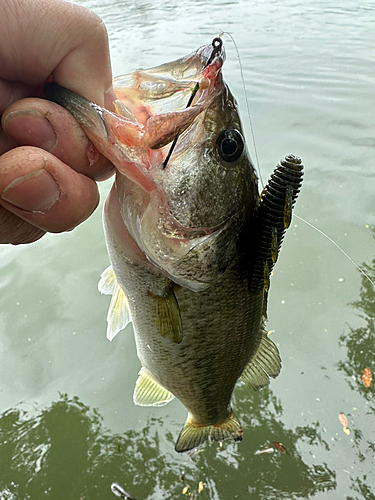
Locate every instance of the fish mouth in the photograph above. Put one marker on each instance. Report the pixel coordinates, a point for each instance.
(150, 111)
(165, 100)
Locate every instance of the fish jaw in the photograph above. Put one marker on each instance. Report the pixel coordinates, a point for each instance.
(141, 130)
(116, 137)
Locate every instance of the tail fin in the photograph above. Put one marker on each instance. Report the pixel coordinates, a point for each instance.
(193, 434)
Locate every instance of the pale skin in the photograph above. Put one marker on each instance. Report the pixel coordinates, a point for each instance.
(48, 168)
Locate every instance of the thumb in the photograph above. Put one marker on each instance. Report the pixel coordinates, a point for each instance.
(75, 51)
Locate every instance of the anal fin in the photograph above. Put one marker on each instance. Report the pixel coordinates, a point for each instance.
(265, 363)
(148, 392)
(193, 434)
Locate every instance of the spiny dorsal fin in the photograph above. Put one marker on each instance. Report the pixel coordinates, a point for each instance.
(193, 434)
(148, 392)
(265, 363)
(118, 313)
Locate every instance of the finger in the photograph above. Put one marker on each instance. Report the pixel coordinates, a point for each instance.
(12, 91)
(40, 189)
(75, 51)
(41, 123)
(6, 142)
(15, 231)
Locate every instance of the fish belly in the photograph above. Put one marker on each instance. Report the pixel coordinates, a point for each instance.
(220, 326)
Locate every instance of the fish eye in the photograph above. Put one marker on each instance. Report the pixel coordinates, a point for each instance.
(230, 144)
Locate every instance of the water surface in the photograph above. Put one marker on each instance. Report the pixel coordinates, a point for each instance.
(68, 425)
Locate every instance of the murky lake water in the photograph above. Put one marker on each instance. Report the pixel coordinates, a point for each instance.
(68, 426)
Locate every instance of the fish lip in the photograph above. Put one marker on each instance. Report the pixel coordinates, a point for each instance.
(209, 82)
(211, 72)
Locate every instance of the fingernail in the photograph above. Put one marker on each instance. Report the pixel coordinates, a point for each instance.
(34, 192)
(30, 128)
(109, 97)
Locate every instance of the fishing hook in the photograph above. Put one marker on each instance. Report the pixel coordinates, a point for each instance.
(217, 43)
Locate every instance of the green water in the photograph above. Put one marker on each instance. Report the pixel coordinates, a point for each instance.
(68, 426)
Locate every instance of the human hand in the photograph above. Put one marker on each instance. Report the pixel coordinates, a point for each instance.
(48, 167)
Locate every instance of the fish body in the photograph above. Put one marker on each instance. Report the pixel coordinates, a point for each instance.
(190, 241)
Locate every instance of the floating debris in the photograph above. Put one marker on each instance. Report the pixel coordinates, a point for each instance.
(185, 489)
(367, 377)
(280, 447)
(120, 492)
(344, 422)
(265, 450)
(201, 486)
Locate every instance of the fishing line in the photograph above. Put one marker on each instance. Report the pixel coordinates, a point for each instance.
(258, 165)
(337, 246)
(247, 104)
(216, 47)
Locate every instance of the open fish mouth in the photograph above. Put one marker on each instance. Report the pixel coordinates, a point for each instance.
(164, 101)
(169, 87)
(153, 106)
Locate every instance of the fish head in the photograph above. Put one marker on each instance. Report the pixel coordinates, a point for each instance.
(202, 182)
(184, 181)
(198, 175)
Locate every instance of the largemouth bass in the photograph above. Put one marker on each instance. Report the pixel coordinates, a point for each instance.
(191, 242)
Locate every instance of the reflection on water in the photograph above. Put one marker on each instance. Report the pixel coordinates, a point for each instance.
(360, 344)
(64, 452)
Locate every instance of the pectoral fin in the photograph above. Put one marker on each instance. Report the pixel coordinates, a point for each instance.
(193, 434)
(167, 316)
(148, 392)
(265, 363)
(107, 281)
(118, 313)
